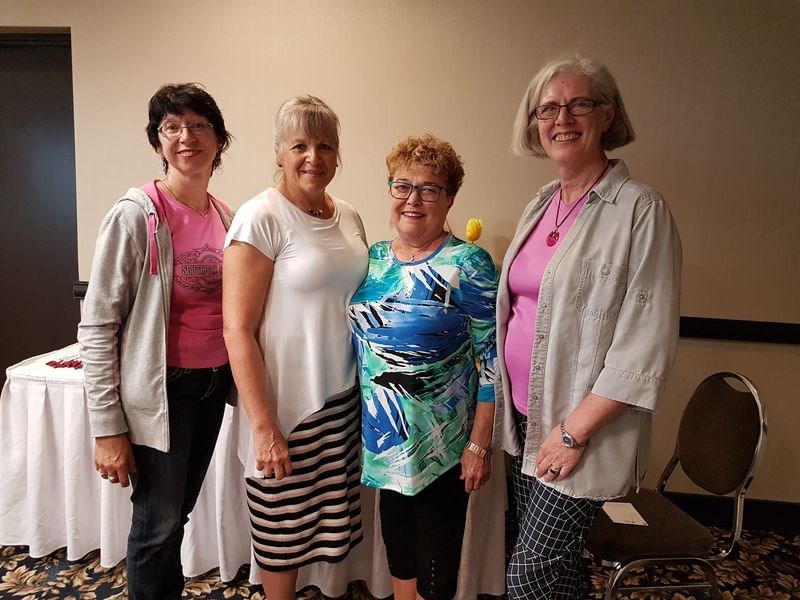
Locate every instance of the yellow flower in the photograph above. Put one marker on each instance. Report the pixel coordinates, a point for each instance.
(474, 228)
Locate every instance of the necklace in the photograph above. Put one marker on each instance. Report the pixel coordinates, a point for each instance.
(413, 254)
(553, 236)
(314, 212)
(174, 195)
(318, 212)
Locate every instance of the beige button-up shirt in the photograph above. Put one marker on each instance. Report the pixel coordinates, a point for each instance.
(606, 322)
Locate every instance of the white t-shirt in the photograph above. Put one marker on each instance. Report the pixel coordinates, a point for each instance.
(304, 333)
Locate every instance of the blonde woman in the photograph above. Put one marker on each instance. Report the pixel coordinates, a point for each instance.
(294, 256)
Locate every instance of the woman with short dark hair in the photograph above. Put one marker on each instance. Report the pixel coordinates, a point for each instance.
(155, 364)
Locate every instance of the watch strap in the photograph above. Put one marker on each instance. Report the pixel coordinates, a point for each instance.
(569, 441)
(477, 450)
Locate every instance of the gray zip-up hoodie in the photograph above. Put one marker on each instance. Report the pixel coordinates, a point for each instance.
(123, 330)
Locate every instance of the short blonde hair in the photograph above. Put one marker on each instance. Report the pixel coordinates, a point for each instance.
(429, 151)
(525, 136)
(308, 115)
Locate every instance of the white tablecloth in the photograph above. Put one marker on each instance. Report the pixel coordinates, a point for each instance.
(51, 497)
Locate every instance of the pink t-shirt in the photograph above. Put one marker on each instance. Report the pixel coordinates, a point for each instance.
(194, 337)
(524, 279)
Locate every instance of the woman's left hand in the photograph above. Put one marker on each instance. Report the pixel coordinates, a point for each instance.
(475, 471)
(555, 461)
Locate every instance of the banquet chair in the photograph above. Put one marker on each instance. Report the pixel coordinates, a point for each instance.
(721, 433)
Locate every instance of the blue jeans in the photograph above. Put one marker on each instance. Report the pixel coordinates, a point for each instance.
(166, 484)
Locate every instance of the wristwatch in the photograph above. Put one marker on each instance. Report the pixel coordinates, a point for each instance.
(477, 450)
(568, 441)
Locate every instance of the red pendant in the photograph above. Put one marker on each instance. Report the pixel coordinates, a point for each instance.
(552, 238)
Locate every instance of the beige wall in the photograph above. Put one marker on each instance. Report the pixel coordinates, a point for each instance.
(711, 87)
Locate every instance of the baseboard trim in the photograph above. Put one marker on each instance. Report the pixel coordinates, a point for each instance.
(716, 511)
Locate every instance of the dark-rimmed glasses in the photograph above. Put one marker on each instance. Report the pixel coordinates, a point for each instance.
(173, 130)
(402, 190)
(548, 112)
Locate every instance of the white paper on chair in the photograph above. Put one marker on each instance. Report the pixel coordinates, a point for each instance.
(623, 512)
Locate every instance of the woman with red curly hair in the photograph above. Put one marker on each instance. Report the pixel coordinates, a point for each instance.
(422, 320)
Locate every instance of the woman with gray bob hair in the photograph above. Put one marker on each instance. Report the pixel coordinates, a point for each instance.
(525, 136)
(587, 324)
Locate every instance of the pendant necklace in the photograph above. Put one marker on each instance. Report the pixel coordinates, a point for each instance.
(553, 236)
(317, 212)
(413, 254)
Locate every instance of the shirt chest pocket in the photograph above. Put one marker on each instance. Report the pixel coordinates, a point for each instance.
(601, 289)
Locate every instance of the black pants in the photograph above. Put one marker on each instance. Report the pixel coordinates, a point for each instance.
(424, 534)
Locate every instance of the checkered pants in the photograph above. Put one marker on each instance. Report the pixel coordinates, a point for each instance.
(546, 563)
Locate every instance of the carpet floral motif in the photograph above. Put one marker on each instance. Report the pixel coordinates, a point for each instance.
(765, 566)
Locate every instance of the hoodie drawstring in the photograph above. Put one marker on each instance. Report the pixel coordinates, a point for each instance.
(151, 235)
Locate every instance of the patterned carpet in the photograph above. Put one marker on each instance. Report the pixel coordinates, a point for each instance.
(766, 566)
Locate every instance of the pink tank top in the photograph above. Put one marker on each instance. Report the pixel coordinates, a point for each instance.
(524, 280)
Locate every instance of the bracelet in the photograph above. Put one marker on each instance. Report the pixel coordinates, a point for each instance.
(477, 450)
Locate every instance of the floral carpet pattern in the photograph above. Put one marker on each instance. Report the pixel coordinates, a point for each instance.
(765, 566)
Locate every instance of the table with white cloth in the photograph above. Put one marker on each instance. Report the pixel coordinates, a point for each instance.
(51, 496)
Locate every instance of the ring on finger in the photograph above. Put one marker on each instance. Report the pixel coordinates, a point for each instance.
(554, 469)
(103, 474)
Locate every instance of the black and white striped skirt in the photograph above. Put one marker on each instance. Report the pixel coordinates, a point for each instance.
(314, 514)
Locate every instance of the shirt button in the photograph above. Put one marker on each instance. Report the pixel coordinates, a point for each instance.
(536, 397)
(642, 296)
(605, 270)
(537, 368)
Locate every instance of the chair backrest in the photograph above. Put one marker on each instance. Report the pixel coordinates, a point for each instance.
(721, 433)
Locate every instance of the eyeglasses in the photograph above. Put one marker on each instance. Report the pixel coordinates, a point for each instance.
(172, 130)
(548, 112)
(402, 190)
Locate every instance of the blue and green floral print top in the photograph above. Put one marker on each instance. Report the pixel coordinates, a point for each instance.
(424, 335)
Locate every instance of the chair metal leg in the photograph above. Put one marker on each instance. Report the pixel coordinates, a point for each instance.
(615, 579)
(712, 579)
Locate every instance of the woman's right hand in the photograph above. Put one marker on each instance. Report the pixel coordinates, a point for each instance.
(248, 273)
(272, 454)
(113, 458)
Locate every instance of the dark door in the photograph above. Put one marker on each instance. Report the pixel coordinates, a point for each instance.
(38, 244)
